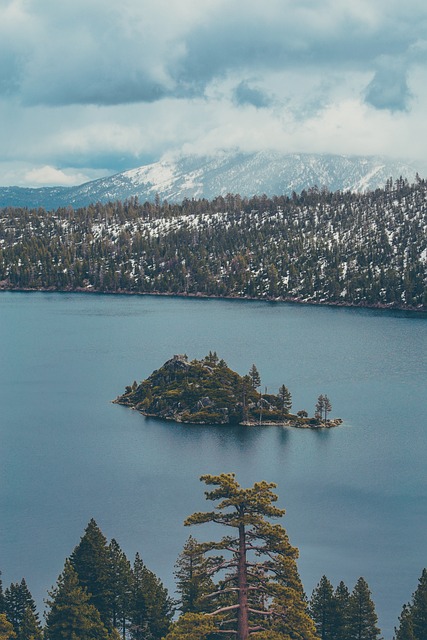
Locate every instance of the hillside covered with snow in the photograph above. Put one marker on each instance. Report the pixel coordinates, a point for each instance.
(269, 173)
(320, 246)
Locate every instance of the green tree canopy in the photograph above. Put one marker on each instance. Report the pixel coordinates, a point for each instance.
(260, 575)
(70, 614)
(192, 574)
(151, 608)
(191, 626)
(322, 609)
(6, 628)
(363, 619)
(90, 560)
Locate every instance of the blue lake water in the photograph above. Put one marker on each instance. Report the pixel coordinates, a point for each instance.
(356, 496)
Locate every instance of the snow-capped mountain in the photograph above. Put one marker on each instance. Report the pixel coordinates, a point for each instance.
(270, 173)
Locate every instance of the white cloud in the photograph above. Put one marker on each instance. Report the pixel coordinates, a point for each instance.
(108, 86)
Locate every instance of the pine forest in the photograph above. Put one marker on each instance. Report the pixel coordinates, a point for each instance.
(242, 585)
(321, 247)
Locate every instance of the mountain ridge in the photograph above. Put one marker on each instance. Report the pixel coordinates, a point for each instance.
(248, 174)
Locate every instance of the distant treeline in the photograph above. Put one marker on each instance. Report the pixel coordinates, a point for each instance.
(241, 586)
(318, 246)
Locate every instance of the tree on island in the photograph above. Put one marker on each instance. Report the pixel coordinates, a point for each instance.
(255, 377)
(323, 407)
(260, 590)
(285, 399)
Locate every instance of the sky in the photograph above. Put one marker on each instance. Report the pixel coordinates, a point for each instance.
(89, 88)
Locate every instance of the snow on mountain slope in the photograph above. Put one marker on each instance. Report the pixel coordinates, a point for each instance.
(272, 173)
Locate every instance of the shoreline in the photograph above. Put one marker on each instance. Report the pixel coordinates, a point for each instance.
(328, 424)
(378, 306)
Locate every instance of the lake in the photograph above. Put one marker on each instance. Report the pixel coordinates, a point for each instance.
(355, 496)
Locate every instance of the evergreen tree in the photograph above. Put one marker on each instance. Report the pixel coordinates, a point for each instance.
(192, 578)
(419, 608)
(151, 608)
(285, 399)
(406, 627)
(90, 560)
(30, 628)
(255, 377)
(70, 614)
(261, 577)
(362, 616)
(413, 619)
(341, 622)
(192, 626)
(17, 600)
(119, 586)
(6, 628)
(2, 603)
(322, 609)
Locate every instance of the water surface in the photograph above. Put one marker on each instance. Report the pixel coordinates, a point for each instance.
(355, 497)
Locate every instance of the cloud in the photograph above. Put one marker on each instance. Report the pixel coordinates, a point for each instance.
(107, 53)
(389, 90)
(109, 86)
(47, 175)
(245, 94)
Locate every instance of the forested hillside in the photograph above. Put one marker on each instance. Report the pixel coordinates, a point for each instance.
(318, 246)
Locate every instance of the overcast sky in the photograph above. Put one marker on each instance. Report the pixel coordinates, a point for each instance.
(91, 87)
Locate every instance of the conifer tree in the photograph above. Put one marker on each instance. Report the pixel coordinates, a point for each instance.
(70, 614)
(285, 398)
(341, 622)
(261, 577)
(255, 377)
(151, 608)
(90, 560)
(419, 608)
(413, 619)
(30, 628)
(362, 616)
(406, 627)
(2, 604)
(193, 578)
(191, 626)
(322, 609)
(17, 600)
(119, 586)
(6, 628)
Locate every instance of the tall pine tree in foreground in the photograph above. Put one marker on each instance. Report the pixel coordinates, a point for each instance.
(259, 577)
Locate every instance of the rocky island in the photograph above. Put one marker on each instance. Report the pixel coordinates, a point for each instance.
(207, 391)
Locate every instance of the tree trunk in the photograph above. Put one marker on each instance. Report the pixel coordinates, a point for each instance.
(242, 577)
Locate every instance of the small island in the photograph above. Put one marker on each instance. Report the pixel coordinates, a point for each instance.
(209, 392)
